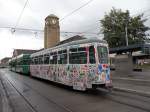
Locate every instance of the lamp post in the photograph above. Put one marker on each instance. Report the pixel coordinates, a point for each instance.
(126, 32)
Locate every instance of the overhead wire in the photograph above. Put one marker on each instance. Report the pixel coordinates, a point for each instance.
(69, 14)
(19, 18)
(38, 30)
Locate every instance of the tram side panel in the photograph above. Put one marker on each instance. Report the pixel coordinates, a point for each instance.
(78, 72)
(79, 76)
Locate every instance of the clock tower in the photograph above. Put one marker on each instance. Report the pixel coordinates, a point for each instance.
(51, 31)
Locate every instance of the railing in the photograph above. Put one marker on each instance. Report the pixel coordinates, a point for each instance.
(130, 48)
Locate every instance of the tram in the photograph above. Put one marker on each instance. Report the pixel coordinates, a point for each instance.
(20, 64)
(82, 64)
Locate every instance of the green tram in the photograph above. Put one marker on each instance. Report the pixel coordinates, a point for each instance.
(20, 64)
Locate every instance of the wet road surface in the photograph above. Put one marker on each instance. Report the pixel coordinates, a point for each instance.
(28, 94)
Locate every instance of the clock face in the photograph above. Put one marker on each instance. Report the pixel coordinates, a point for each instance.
(53, 21)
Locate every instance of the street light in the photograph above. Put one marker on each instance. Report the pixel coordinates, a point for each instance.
(126, 31)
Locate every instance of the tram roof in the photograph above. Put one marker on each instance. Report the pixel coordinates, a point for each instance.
(76, 42)
(19, 56)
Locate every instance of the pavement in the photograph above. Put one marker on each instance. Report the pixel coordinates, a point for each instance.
(135, 82)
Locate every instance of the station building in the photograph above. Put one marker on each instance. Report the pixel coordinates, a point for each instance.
(4, 62)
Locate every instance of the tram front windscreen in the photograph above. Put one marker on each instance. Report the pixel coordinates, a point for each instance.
(102, 54)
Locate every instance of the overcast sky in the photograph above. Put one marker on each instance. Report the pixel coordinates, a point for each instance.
(85, 19)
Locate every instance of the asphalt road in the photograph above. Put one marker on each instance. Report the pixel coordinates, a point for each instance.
(28, 94)
(1, 97)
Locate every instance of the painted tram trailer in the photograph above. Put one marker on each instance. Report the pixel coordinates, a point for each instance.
(82, 64)
(20, 64)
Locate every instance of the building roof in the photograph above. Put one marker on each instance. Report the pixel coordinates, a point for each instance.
(5, 60)
(51, 16)
(74, 38)
(23, 51)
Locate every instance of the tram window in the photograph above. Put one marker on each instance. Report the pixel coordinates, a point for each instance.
(55, 53)
(102, 54)
(40, 59)
(91, 55)
(73, 50)
(53, 58)
(25, 62)
(82, 49)
(32, 61)
(59, 52)
(36, 61)
(78, 58)
(62, 58)
(64, 51)
(18, 62)
(51, 53)
(46, 59)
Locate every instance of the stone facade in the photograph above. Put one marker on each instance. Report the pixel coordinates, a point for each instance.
(51, 31)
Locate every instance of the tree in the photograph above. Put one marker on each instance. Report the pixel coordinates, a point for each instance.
(115, 23)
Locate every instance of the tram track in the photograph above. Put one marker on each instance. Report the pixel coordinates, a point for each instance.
(109, 97)
(6, 105)
(66, 109)
(114, 97)
(8, 83)
(125, 102)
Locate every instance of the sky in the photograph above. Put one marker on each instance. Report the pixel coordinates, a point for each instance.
(84, 20)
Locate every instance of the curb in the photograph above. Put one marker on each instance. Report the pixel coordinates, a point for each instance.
(132, 81)
(136, 79)
(141, 93)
